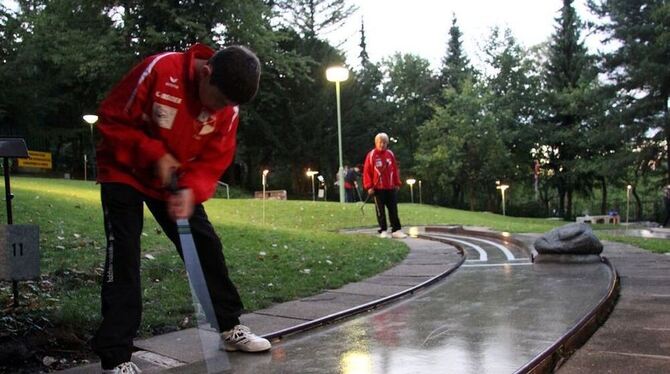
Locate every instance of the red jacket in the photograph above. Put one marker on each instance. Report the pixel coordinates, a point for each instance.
(380, 170)
(155, 109)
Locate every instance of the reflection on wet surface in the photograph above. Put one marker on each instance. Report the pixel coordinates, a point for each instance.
(656, 233)
(490, 316)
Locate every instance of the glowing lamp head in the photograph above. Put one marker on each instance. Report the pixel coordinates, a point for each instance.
(90, 118)
(311, 173)
(337, 74)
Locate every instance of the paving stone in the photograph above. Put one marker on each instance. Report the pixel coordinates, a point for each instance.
(316, 307)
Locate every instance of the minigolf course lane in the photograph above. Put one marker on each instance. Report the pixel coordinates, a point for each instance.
(499, 313)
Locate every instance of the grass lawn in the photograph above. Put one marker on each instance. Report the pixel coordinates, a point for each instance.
(295, 252)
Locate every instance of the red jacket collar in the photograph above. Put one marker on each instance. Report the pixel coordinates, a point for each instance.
(197, 51)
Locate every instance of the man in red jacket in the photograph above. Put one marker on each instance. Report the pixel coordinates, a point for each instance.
(382, 180)
(174, 113)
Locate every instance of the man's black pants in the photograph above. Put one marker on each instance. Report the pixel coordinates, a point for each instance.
(388, 199)
(121, 291)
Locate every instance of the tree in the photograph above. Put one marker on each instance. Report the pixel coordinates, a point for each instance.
(569, 77)
(313, 18)
(410, 88)
(293, 124)
(363, 55)
(461, 149)
(638, 65)
(512, 100)
(68, 56)
(455, 64)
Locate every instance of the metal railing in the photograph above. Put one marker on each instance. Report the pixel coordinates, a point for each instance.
(227, 189)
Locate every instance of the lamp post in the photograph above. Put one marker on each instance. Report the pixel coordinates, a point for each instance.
(411, 182)
(265, 174)
(628, 190)
(338, 74)
(502, 188)
(91, 119)
(420, 200)
(311, 173)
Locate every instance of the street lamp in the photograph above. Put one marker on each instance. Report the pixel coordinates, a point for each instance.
(265, 175)
(502, 188)
(628, 190)
(338, 74)
(311, 173)
(91, 119)
(411, 182)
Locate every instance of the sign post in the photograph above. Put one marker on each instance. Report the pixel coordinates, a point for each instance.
(19, 244)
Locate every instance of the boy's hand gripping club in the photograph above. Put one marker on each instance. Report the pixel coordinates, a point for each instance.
(196, 277)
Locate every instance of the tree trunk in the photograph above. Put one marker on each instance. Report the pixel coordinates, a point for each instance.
(638, 204)
(561, 201)
(471, 197)
(568, 210)
(603, 202)
(456, 193)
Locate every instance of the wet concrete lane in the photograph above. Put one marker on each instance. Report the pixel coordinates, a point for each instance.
(481, 319)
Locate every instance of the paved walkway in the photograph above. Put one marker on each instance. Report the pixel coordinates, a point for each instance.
(425, 261)
(635, 339)
(636, 336)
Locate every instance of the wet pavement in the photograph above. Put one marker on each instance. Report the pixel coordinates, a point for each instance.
(495, 314)
(652, 232)
(636, 336)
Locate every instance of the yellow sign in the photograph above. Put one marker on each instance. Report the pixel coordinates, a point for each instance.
(36, 160)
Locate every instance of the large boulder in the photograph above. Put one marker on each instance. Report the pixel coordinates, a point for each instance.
(571, 239)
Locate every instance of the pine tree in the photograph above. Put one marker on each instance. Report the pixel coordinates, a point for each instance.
(365, 59)
(455, 64)
(569, 75)
(640, 31)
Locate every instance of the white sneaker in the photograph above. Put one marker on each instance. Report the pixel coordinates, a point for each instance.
(240, 338)
(398, 235)
(384, 235)
(124, 368)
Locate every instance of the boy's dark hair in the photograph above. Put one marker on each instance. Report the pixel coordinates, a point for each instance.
(236, 73)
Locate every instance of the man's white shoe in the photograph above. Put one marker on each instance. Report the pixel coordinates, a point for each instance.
(398, 235)
(384, 235)
(124, 368)
(240, 338)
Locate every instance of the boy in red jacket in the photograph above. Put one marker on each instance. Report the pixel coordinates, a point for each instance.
(382, 181)
(172, 113)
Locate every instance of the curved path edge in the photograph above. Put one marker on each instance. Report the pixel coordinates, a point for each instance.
(560, 351)
(372, 304)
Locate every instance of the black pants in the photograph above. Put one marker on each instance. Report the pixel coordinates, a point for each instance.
(388, 199)
(667, 213)
(123, 208)
(349, 196)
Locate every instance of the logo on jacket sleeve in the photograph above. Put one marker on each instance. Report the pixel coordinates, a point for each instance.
(172, 82)
(164, 115)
